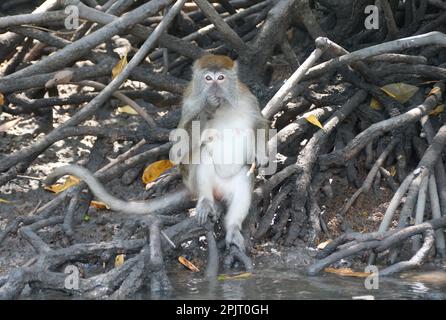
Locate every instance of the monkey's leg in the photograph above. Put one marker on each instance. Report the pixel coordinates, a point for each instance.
(239, 202)
(205, 205)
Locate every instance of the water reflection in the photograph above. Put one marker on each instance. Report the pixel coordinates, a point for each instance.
(281, 284)
(286, 284)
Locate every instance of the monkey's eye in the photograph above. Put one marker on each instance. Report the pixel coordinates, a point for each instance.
(221, 77)
(208, 78)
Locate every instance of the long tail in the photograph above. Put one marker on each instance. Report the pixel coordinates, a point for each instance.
(132, 207)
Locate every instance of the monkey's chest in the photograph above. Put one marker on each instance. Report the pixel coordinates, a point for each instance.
(229, 147)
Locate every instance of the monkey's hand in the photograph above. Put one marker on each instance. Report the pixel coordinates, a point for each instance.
(213, 101)
(205, 207)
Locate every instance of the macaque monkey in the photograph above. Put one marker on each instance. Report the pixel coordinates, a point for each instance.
(228, 115)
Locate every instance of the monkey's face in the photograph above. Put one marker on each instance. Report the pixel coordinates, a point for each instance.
(217, 82)
(214, 81)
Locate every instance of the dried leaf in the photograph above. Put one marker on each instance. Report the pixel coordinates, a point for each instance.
(8, 125)
(438, 109)
(60, 77)
(389, 93)
(127, 109)
(322, 245)
(240, 276)
(435, 90)
(375, 105)
(433, 277)
(347, 272)
(188, 264)
(119, 260)
(59, 187)
(154, 170)
(99, 205)
(117, 69)
(392, 171)
(402, 92)
(2, 99)
(314, 120)
(4, 201)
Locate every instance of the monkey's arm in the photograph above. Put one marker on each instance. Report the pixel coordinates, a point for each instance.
(133, 207)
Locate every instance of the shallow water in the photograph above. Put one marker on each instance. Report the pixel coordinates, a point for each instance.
(280, 284)
(286, 285)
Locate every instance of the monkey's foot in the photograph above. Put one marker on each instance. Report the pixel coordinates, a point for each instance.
(234, 238)
(236, 255)
(205, 207)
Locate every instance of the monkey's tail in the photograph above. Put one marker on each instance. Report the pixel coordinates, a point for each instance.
(133, 207)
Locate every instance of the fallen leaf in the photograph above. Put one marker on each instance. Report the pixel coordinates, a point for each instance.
(188, 264)
(2, 99)
(402, 92)
(240, 276)
(117, 69)
(86, 218)
(59, 187)
(8, 125)
(127, 109)
(61, 77)
(434, 277)
(435, 90)
(4, 201)
(99, 205)
(375, 105)
(322, 245)
(392, 171)
(119, 260)
(438, 109)
(154, 170)
(314, 120)
(347, 272)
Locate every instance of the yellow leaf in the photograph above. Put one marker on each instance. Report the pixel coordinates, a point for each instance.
(347, 272)
(188, 264)
(2, 99)
(392, 171)
(127, 109)
(400, 91)
(155, 169)
(4, 201)
(99, 205)
(240, 276)
(435, 90)
(322, 245)
(438, 109)
(374, 104)
(57, 188)
(389, 93)
(117, 69)
(314, 120)
(119, 260)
